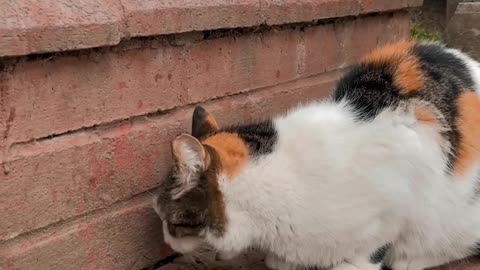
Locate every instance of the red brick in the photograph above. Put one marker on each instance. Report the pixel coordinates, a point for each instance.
(45, 26)
(52, 97)
(368, 6)
(128, 236)
(150, 17)
(367, 34)
(341, 44)
(280, 12)
(63, 177)
(68, 93)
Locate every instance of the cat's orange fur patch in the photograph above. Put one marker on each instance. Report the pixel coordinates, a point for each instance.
(232, 150)
(469, 127)
(404, 65)
(426, 115)
(211, 122)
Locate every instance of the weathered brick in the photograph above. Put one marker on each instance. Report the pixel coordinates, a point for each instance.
(44, 26)
(290, 11)
(128, 236)
(66, 176)
(47, 26)
(367, 35)
(343, 43)
(381, 5)
(68, 93)
(51, 97)
(152, 17)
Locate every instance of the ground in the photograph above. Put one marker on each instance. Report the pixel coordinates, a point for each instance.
(205, 259)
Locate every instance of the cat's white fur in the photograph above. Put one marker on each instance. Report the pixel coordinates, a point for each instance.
(334, 190)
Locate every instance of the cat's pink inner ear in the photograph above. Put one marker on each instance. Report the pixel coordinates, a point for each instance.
(189, 152)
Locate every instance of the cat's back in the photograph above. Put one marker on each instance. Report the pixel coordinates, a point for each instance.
(440, 84)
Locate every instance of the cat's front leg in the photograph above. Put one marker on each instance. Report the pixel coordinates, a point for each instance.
(275, 263)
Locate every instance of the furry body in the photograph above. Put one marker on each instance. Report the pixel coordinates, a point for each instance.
(382, 174)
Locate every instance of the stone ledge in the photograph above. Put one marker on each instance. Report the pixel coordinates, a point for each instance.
(463, 29)
(468, 7)
(43, 26)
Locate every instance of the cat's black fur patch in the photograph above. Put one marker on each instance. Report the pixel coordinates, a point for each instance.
(378, 255)
(260, 137)
(477, 249)
(368, 90)
(443, 64)
(385, 267)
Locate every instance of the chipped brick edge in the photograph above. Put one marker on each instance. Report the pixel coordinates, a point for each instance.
(115, 20)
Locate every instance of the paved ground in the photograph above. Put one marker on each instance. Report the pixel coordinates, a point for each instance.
(205, 260)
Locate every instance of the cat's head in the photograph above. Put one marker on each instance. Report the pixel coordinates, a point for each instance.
(190, 202)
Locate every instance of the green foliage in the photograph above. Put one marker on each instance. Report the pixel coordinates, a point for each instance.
(419, 33)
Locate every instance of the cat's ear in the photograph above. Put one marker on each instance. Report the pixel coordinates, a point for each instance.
(191, 159)
(190, 156)
(203, 123)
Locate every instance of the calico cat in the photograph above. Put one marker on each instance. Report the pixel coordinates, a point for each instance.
(382, 174)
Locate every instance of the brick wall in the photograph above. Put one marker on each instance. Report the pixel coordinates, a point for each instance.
(93, 92)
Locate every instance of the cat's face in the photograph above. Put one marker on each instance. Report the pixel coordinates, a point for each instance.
(189, 200)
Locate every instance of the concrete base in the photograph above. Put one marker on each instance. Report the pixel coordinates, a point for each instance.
(463, 29)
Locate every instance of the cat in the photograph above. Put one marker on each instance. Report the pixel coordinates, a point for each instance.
(383, 174)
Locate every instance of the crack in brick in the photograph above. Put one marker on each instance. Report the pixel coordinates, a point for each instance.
(133, 119)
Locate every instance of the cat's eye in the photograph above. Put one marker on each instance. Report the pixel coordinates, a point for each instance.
(184, 229)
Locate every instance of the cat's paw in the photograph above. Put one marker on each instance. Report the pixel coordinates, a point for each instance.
(275, 263)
